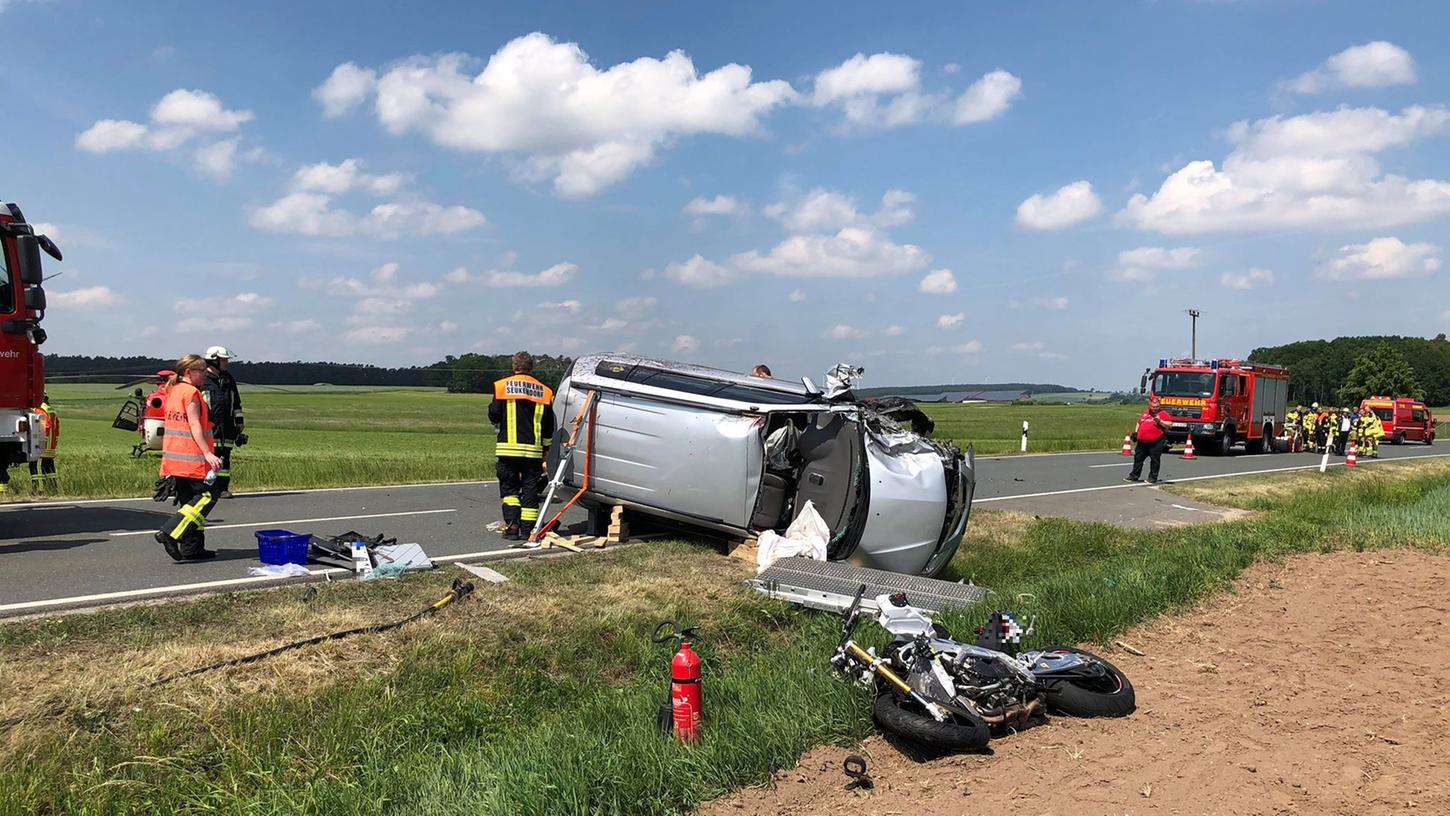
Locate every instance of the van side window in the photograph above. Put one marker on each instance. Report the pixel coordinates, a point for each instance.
(1418, 415)
(690, 384)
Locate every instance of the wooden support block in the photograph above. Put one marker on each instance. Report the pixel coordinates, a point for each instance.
(618, 528)
(555, 540)
(746, 550)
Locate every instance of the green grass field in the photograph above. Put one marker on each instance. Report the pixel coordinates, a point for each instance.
(334, 436)
(539, 697)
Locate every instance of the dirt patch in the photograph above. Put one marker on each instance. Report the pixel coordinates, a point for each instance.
(1318, 686)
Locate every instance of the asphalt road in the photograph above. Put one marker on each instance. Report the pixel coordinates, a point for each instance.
(59, 555)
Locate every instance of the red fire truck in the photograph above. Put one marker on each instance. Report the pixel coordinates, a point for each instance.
(22, 367)
(1222, 402)
(1403, 419)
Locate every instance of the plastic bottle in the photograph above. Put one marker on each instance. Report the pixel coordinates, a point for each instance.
(210, 477)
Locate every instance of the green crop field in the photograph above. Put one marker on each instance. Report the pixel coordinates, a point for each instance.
(337, 436)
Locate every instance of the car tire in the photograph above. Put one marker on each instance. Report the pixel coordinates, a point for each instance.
(1399, 439)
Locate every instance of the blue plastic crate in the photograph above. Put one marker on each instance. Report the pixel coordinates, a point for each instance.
(282, 547)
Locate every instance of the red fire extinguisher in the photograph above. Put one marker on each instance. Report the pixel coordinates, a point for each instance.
(685, 693)
(681, 712)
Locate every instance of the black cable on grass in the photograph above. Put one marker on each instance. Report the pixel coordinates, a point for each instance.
(460, 590)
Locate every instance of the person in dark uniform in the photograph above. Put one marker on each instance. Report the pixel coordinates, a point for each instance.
(225, 403)
(1153, 427)
(522, 409)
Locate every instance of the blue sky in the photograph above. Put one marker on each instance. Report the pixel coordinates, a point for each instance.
(990, 193)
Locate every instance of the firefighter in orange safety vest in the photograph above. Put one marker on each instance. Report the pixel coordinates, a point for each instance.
(522, 409)
(42, 473)
(188, 463)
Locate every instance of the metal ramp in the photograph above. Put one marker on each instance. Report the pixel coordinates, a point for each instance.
(830, 585)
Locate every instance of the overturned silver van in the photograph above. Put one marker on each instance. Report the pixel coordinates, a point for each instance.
(733, 454)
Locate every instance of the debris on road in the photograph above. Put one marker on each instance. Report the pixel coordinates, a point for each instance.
(492, 576)
(279, 571)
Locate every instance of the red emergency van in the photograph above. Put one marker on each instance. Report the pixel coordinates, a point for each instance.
(1404, 419)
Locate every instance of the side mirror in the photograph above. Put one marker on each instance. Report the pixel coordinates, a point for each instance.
(28, 248)
(35, 299)
(49, 246)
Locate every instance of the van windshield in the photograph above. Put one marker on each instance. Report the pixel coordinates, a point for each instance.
(1183, 384)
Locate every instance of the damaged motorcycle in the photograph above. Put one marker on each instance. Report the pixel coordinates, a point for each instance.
(948, 695)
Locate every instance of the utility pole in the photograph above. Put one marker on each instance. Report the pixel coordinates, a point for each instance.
(1193, 349)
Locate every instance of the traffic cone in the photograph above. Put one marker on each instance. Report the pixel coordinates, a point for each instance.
(1127, 444)
(1188, 449)
(1351, 459)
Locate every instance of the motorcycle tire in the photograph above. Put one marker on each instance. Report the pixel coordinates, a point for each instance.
(1112, 697)
(905, 719)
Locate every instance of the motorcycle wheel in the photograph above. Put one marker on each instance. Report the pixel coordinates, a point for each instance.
(904, 718)
(1110, 695)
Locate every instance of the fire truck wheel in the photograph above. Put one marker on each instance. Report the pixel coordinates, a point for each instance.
(1226, 444)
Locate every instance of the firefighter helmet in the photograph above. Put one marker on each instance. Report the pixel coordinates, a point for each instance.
(218, 352)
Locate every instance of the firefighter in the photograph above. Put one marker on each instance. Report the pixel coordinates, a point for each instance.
(1368, 432)
(1309, 427)
(1292, 419)
(189, 462)
(42, 473)
(522, 410)
(225, 404)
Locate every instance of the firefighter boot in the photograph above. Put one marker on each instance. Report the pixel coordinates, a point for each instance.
(193, 546)
(526, 531)
(170, 544)
(511, 532)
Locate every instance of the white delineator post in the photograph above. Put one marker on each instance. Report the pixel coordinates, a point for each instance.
(1024, 436)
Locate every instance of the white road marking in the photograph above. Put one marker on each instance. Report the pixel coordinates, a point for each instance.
(50, 504)
(295, 521)
(1199, 509)
(1238, 456)
(1198, 478)
(230, 582)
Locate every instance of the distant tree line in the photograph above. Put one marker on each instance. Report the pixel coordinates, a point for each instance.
(469, 373)
(1031, 388)
(1346, 369)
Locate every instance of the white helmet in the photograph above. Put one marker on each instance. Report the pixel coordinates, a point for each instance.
(218, 352)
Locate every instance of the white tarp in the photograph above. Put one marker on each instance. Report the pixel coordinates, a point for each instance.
(806, 537)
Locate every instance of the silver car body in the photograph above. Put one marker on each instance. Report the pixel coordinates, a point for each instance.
(687, 444)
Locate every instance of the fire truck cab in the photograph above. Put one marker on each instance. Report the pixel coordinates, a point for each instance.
(22, 307)
(1404, 419)
(1222, 402)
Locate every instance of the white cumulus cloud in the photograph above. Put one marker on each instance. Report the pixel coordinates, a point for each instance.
(719, 205)
(1381, 259)
(1372, 65)
(1143, 263)
(304, 213)
(939, 282)
(1054, 303)
(1313, 171)
(968, 348)
(177, 119)
(894, 331)
(345, 88)
(344, 177)
(884, 90)
(842, 331)
(1252, 278)
(796, 296)
(86, 297)
(685, 344)
(853, 252)
(1071, 204)
(950, 321)
(582, 127)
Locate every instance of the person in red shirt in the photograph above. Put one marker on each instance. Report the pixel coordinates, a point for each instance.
(1153, 425)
